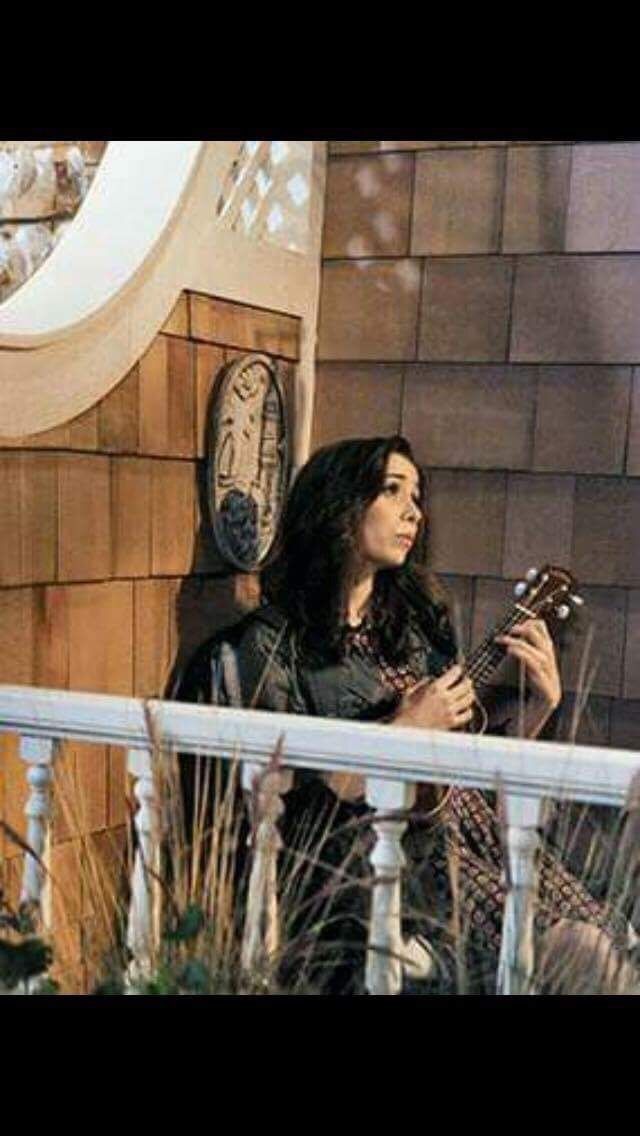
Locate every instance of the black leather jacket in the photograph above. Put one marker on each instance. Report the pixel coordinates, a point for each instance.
(265, 670)
(274, 675)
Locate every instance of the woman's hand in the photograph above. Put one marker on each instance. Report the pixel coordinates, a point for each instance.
(444, 703)
(531, 643)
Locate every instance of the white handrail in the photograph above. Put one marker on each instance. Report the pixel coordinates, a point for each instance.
(531, 768)
(391, 759)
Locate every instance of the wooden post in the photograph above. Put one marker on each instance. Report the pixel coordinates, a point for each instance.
(384, 961)
(261, 937)
(144, 908)
(516, 965)
(38, 753)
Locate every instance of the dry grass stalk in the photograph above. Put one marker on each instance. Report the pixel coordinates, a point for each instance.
(204, 869)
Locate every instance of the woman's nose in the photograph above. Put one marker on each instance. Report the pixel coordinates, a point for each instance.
(412, 512)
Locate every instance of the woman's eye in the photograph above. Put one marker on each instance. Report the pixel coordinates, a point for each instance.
(392, 490)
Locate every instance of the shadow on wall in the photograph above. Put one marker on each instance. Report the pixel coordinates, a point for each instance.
(215, 594)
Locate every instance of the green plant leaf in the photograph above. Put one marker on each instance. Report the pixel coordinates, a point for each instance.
(188, 925)
(21, 961)
(163, 982)
(112, 985)
(194, 977)
(47, 986)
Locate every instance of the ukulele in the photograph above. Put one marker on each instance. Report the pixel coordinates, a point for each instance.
(547, 593)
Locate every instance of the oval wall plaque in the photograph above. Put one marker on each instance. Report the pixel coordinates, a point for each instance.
(248, 460)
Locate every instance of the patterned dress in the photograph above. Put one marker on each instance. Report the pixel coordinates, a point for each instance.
(465, 856)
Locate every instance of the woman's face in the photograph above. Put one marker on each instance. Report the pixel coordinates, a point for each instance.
(390, 524)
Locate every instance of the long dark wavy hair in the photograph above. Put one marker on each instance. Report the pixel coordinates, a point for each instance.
(309, 574)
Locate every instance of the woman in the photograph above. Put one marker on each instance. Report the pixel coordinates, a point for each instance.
(354, 628)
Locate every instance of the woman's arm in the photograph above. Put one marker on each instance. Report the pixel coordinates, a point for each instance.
(266, 680)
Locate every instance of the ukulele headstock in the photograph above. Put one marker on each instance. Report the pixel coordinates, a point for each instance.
(549, 593)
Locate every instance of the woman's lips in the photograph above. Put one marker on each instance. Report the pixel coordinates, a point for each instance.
(406, 540)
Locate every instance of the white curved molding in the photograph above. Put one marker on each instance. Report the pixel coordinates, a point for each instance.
(137, 190)
(75, 329)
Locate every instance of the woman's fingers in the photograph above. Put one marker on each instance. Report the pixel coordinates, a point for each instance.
(542, 675)
(533, 660)
(449, 678)
(523, 649)
(462, 695)
(453, 685)
(464, 716)
(531, 643)
(452, 681)
(452, 696)
(533, 631)
(460, 700)
(444, 703)
(418, 686)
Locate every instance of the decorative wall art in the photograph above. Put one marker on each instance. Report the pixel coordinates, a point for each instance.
(248, 460)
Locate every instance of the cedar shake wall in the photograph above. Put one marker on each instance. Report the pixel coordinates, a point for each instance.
(484, 299)
(105, 572)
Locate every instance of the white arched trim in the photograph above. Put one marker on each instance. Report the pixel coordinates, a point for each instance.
(147, 231)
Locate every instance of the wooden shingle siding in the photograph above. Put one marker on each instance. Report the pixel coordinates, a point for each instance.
(152, 636)
(131, 516)
(368, 206)
(209, 361)
(101, 637)
(14, 791)
(17, 635)
(10, 565)
(167, 398)
(28, 518)
(515, 373)
(84, 517)
(178, 321)
(105, 578)
(89, 796)
(236, 325)
(51, 636)
(118, 417)
(172, 517)
(38, 517)
(117, 812)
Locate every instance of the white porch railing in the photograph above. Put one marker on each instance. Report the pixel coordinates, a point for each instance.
(392, 759)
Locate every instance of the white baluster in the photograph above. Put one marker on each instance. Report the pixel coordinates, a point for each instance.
(38, 753)
(384, 966)
(144, 908)
(252, 932)
(516, 966)
(261, 936)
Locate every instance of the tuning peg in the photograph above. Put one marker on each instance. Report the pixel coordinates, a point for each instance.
(520, 588)
(563, 611)
(577, 600)
(531, 575)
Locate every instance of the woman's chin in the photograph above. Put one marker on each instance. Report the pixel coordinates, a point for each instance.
(395, 559)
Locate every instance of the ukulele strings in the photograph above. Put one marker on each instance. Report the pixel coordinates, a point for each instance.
(489, 653)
